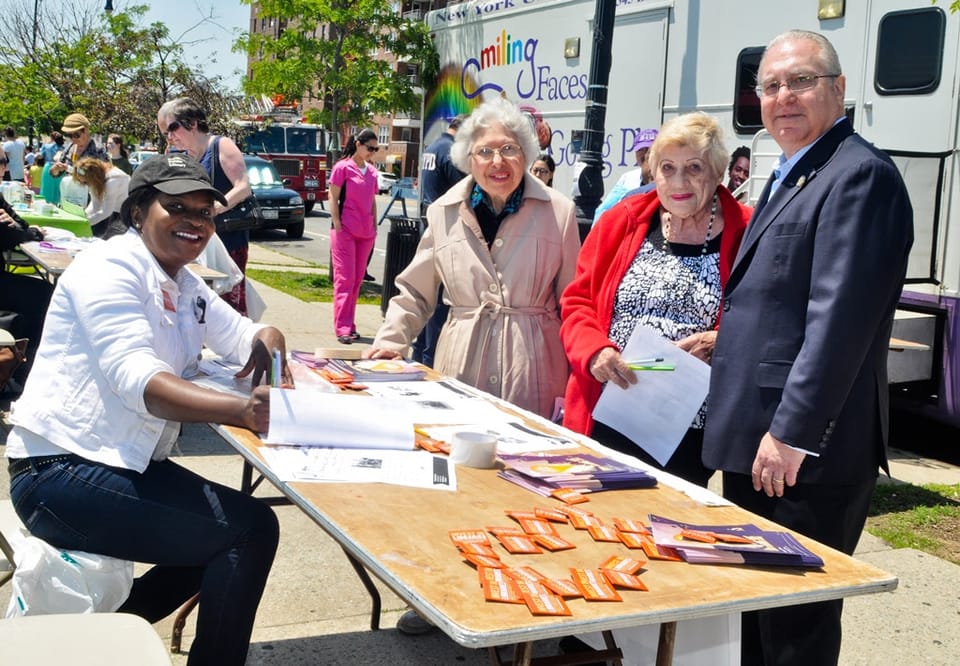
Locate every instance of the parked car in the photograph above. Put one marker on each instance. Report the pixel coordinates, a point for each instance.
(139, 156)
(385, 181)
(279, 207)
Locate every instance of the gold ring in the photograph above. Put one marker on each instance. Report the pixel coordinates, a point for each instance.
(778, 480)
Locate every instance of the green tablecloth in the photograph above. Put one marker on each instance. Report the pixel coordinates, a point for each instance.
(59, 219)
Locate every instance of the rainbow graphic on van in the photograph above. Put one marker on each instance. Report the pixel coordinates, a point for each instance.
(446, 100)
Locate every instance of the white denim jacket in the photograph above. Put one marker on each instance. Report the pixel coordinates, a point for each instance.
(114, 321)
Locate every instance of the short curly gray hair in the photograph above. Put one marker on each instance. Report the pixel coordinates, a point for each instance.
(497, 111)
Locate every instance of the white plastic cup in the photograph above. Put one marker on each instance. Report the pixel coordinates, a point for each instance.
(474, 449)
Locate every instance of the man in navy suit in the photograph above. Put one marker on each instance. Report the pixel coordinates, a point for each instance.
(797, 417)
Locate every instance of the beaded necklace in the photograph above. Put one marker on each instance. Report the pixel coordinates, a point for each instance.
(706, 241)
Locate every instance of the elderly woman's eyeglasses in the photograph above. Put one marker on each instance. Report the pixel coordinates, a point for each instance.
(794, 84)
(172, 127)
(507, 151)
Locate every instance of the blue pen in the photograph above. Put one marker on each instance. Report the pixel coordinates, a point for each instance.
(277, 368)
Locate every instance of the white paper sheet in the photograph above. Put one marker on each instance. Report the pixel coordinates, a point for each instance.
(347, 421)
(513, 437)
(440, 402)
(656, 411)
(417, 469)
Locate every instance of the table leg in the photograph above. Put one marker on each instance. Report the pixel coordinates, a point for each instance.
(522, 654)
(371, 590)
(668, 636)
(246, 482)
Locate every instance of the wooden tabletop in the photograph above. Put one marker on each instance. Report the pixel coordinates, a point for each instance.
(400, 534)
(54, 263)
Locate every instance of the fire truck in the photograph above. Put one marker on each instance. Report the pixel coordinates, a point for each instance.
(297, 150)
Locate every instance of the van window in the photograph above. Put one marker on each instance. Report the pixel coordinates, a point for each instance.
(910, 51)
(746, 104)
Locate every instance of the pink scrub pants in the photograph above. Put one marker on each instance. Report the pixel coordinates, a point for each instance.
(349, 255)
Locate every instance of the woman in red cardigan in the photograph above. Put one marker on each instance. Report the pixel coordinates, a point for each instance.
(660, 259)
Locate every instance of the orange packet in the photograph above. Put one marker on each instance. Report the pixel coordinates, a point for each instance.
(468, 536)
(564, 587)
(521, 515)
(519, 545)
(621, 579)
(730, 538)
(498, 586)
(655, 552)
(541, 601)
(594, 585)
(537, 526)
(570, 511)
(604, 533)
(631, 526)
(484, 561)
(428, 444)
(697, 535)
(553, 515)
(477, 549)
(582, 521)
(628, 565)
(528, 574)
(632, 540)
(569, 496)
(552, 542)
(510, 530)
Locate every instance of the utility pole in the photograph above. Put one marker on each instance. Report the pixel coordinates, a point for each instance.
(589, 166)
(33, 54)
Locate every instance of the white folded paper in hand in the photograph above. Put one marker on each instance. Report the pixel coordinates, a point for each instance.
(346, 421)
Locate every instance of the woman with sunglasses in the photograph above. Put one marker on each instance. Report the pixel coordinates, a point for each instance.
(354, 230)
(185, 126)
(76, 128)
(543, 168)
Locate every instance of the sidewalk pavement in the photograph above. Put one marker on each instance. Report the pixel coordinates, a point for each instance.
(315, 611)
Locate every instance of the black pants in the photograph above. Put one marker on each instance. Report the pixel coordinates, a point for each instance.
(685, 461)
(833, 515)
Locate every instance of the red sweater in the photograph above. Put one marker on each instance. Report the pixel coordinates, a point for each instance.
(586, 306)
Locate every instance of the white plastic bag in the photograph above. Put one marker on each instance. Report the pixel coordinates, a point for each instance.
(215, 256)
(48, 580)
(255, 303)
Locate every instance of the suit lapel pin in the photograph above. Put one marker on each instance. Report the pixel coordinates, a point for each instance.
(801, 181)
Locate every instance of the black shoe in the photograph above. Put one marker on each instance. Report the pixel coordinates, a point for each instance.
(369, 278)
(354, 336)
(344, 339)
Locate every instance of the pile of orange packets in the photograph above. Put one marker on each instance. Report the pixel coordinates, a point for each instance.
(536, 532)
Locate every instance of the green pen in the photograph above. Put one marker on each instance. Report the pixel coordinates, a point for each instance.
(659, 366)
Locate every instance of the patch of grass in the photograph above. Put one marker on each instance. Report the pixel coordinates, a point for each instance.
(310, 287)
(925, 517)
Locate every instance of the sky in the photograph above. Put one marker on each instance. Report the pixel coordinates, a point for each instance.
(207, 45)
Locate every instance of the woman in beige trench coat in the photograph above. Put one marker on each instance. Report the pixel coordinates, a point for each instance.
(504, 246)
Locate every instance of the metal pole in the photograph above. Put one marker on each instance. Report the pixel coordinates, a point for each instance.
(33, 54)
(590, 163)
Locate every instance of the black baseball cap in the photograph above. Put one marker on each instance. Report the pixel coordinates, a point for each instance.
(176, 173)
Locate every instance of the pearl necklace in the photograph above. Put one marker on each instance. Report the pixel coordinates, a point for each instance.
(706, 241)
